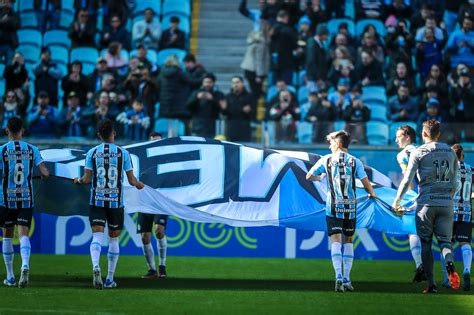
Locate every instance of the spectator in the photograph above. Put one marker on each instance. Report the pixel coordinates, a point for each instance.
(174, 88)
(283, 43)
(42, 118)
(173, 37)
(286, 115)
(252, 14)
(9, 24)
(432, 112)
(116, 32)
(9, 108)
(344, 72)
(205, 105)
(316, 13)
(450, 16)
(401, 77)
(47, 76)
(16, 79)
(281, 86)
(238, 111)
(142, 55)
(356, 114)
(147, 32)
(461, 44)
(428, 53)
(430, 22)
(92, 6)
(146, 92)
(343, 38)
(398, 9)
(369, 70)
(342, 97)
(71, 120)
(433, 92)
(399, 47)
(116, 7)
(420, 16)
(115, 92)
(270, 11)
(402, 107)
(82, 31)
(136, 122)
(293, 9)
(371, 30)
(304, 34)
(322, 114)
(317, 64)
(368, 9)
(194, 70)
(467, 9)
(48, 13)
(114, 58)
(76, 82)
(98, 112)
(462, 103)
(256, 62)
(369, 44)
(437, 80)
(96, 77)
(337, 7)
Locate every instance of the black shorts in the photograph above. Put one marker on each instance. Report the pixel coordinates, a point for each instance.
(113, 217)
(12, 217)
(462, 232)
(145, 221)
(340, 226)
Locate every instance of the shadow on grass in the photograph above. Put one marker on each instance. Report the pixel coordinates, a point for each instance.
(71, 281)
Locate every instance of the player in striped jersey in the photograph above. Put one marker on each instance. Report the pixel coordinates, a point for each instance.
(19, 159)
(104, 168)
(406, 139)
(341, 170)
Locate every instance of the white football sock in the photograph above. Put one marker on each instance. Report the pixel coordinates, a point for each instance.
(8, 254)
(113, 255)
(348, 258)
(25, 250)
(162, 246)
(149, 256)
(95, 248)
(336, 256)
(415, 247)
(467, 257)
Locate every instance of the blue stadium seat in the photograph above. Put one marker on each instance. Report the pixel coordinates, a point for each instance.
(30, 37)
(302, 78)
(26, 5)
(377, 133)
(2, 69)
(29, 68)
(31, 53)
(177, 6)
(164, 54)
(142, 5)
(339, 125)
(28, 20)
(379, 26)
(64, 68)
(333, 26)
(56, 37)
(350, 9)
(85, 54)
(374, 94)
(87, 68)
(65, 19)
(394, 126)
(59, 54)
(273, 91)
(305, 132)
(2, 86)
(378, 113)
(184, 23)
(303, 95)
(68, 5)
(161, 126)
(150, 55)
(123, 53)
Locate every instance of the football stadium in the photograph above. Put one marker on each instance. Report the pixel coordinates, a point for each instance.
(236, 156)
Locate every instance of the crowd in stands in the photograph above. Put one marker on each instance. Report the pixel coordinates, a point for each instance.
(369, 64)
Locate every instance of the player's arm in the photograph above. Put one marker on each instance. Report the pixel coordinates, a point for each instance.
(43, 170)
(454, 178)
(362, 175)
(406, 181)
(40, 163)
(133, 180)
(317, 172)
(85, 179)
(368, 187)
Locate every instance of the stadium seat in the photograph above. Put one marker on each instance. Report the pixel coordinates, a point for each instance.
(87, 68)
(377, 133)
(28, 20)
(273, 91)
(394, 126)
(350, 9)
(303, 95)
(123, 53)
(64, 68)
(379, 26)
(305, 132)
(68, 5)
(339, 125)
(177, 6)
(161, 126)
(26, 5)
(29, 68)
(142, 5)
(184, 23)
(164, 54)
(2, 69)
(31, 53)
(302, 78)
(65, 19)
(2, 86)
(30, 37)
(374, 94)
(333, 26)
(150, 55)
(56, 37)
(59, 54)
(84, 54)
(378, 113)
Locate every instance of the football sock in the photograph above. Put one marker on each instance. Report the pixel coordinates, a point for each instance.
(467, 257)
(8, 254)
(443, 268)
(415, 248)
(162, 245)
(25, 250)
(348, 259)
(113, 255)
(149, 256)
(336, 256)
(95, 248)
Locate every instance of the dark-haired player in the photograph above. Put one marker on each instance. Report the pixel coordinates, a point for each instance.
(19, 159)
(341, 170)
(144, 227)
(104, 168)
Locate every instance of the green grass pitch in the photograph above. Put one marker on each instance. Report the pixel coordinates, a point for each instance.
(63, 285)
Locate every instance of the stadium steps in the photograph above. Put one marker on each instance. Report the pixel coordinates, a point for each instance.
(222, 39)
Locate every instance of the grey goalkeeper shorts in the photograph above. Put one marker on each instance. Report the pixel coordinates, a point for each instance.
(434, 220)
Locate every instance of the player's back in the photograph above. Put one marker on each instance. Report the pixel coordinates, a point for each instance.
(18, 161)
(462, 197)
(436, 174)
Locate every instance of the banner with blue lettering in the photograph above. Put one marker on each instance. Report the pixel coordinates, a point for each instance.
(209, 181)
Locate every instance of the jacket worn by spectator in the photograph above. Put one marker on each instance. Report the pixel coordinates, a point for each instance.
(372, 71)
(170, 41)
(462, 100)
(284, 41)
(317, 65)
(47, 76)
(72, 123)
(119, 35)
(82, 35)
(147, 34)
(205, 111)
(402, 109)
(9, 24)
(174, 87)
(42, 121)
(238, 121)
(15, 76)
(78, 84)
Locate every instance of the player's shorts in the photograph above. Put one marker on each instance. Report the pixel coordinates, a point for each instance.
(434, 220)
(12, 217)
(113, 216)
(462, 232)
(340, 226)
(145, 221)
